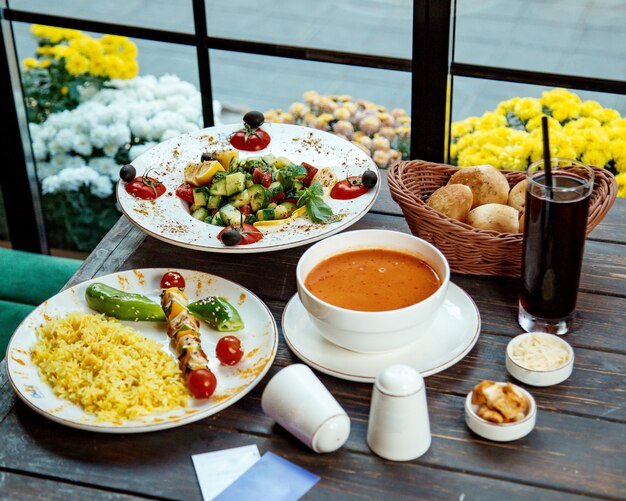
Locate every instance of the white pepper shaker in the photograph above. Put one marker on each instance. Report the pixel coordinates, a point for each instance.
(399, 428)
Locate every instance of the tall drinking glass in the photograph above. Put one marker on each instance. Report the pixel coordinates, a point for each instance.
(554, 240)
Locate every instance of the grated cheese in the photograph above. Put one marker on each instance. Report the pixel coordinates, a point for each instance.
(538, 352)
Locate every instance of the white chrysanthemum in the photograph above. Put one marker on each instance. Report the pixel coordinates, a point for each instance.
(71, 179)
(106, 166)
(40, 150)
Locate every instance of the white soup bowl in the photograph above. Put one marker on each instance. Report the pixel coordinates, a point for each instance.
(372, 331)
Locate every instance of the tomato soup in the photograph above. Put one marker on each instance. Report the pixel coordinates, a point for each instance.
(372, 280)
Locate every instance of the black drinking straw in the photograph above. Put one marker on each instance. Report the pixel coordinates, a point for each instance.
(547, 167)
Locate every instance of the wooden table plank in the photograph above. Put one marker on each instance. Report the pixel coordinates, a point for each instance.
(24, 487)
(139, 464)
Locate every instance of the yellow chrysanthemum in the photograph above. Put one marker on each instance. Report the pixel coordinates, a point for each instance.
(60, 51)
(97, 67)
(621, 185)
(77, 64)
(527, 108)
(505, 106)
(491, 120)
(130, 70)
(86, 46)
(618, 152)
(45, 63)
(30, 63)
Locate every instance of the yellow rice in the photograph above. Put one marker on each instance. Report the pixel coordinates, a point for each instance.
(107, 368)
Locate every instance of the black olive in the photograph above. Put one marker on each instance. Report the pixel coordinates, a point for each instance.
(254, 119)
(127, 173)
(207, 157)
(369, 178)
(231, 237)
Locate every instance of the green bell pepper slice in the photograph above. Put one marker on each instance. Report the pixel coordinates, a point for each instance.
(122, 305)
(218, 313)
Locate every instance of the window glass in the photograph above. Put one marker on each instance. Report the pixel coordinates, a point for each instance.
(170, 15)
(94, 103)
(499, 123)
(378, 27)
(310, 93)
(577, 37)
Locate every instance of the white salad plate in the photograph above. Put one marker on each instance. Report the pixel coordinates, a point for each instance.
(450, 337)
(259, 339)
(167, 218)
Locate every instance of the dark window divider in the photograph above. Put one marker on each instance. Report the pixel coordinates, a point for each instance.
(538, 78)
(18, 179)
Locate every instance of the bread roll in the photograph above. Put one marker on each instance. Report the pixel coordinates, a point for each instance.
(487, 183)
(454, 201)
(495, 217)
(522, 222)
(517, 196)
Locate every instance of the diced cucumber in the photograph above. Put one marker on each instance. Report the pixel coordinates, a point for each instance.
(200, 196)
(297, 185)
(284, 210)
(235, 183)
(259, 197)
(216, 220)
(240, 199)
(275, 187)
(272, 205)
(265, 214)
(214, 201)
(269, 159)
(281, 162)
(218, 187)
(200, 213)
(194, 207)
(249, 181)
(230, 215)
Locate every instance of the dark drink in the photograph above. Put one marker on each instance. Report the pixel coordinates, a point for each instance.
(554, 240)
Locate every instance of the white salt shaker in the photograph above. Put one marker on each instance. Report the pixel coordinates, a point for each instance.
(398, 427)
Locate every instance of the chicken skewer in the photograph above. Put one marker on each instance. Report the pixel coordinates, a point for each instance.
(184, 331)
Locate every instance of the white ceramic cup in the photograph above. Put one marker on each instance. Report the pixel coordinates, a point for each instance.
(301, 404)
(372, 331)
(399, 428)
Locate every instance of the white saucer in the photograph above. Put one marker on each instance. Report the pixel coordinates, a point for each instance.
(450, 337)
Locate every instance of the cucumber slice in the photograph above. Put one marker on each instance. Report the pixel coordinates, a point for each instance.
(200, 196)
(265, 215)
(230, 215)
(218, 187)
(284, 210)
(275, 187)
(259, 197)
(240, 199)
(200, 213)
(214, 201)
(216, 220)
(235, 183)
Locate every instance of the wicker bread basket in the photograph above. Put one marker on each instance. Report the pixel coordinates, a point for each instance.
(470, 250)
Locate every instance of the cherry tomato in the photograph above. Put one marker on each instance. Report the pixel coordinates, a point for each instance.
(228, 350)
(259, 176)
(249, 234)
(172, 279)
(311, 174)
(185, 191)
(257, 140)
(348, 189)
(245, 209)
(201, 383)
(146, 188)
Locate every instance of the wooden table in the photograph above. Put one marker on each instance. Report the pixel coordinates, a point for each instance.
(578, 447)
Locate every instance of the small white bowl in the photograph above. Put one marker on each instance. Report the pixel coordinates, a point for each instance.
(538, 377)
(372, 331)
(505, 432)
